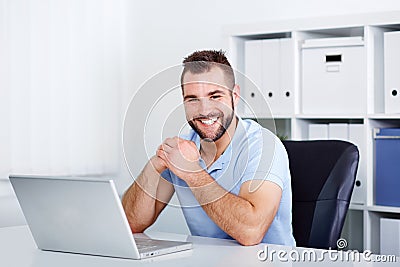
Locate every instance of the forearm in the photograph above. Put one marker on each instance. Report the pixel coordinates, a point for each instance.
(233, 214)
(139, 200)
(245, 217)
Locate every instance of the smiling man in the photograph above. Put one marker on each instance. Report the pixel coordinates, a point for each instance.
(231, 175)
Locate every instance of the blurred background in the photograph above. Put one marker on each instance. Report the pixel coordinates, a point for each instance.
(69, 68)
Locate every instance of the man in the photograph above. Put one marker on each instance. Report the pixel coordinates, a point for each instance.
(231, 175)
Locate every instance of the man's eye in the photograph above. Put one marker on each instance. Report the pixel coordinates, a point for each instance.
(192, 100)
(215, 97)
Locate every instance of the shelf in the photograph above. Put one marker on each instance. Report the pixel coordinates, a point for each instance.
(282, 116)
(376, 208)
(313, 113)
(329, 116)
(384, 209)
(357, 207)
(332, 116)
(330, 24)
(244, 116)
(384, 116)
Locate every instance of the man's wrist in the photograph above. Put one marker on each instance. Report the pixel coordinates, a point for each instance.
(156, 167)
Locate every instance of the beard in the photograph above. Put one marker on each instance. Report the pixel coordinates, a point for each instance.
(224, 123)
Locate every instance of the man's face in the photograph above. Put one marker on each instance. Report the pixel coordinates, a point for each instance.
(209, 104)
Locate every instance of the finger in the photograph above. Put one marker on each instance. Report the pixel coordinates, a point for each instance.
(171, 142)
(166, 148)
(162, 156)
(160, 150)
(192, 143)
(163, 160)
(179, 141)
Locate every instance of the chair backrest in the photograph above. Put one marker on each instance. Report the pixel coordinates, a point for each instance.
(323, 174)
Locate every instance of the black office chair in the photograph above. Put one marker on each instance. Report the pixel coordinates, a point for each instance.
(323, 174)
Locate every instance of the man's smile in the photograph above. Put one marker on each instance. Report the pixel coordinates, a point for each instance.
(208, 121)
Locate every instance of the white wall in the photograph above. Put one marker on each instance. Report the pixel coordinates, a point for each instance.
(60, 90)
(60, 86)
(114, 46)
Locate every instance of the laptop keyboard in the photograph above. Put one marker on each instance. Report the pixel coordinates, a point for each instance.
(145, 243)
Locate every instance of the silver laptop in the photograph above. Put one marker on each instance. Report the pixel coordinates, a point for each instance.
(82, 215)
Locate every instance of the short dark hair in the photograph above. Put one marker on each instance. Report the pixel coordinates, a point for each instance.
(202, 61)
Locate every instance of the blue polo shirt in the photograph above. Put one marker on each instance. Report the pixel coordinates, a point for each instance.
(254, 153)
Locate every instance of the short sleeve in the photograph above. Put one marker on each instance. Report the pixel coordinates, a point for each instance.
(267, 161)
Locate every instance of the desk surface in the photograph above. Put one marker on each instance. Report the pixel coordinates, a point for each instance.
(17, 248)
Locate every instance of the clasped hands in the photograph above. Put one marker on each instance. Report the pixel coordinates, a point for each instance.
(178, 155)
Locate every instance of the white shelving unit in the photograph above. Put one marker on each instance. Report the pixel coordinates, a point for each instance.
(277, 47)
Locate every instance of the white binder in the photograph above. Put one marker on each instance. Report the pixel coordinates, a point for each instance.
(392, 77)
(318, 131)
(390, 237)
(269, 66)
(252, 92)
(357, 137)
(338, 131)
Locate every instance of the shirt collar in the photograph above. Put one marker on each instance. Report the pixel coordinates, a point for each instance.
(227, 154)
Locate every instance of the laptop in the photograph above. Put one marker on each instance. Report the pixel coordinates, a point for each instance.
(83, 215)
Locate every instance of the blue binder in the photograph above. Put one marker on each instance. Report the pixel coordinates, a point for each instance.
(387, 166)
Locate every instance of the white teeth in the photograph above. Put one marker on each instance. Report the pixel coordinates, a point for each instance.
(209, 122)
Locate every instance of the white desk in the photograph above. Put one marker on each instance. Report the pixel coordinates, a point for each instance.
(17, 248)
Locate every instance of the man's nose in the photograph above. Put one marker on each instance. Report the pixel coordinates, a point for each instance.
(205, 105)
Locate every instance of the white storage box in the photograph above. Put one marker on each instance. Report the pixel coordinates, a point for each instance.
(390, 237)
(392, 72)
(334, 76)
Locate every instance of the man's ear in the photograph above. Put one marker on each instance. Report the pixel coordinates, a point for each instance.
(236, 94)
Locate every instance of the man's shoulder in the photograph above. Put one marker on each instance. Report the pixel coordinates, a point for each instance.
(257, 133)
(264, 143)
